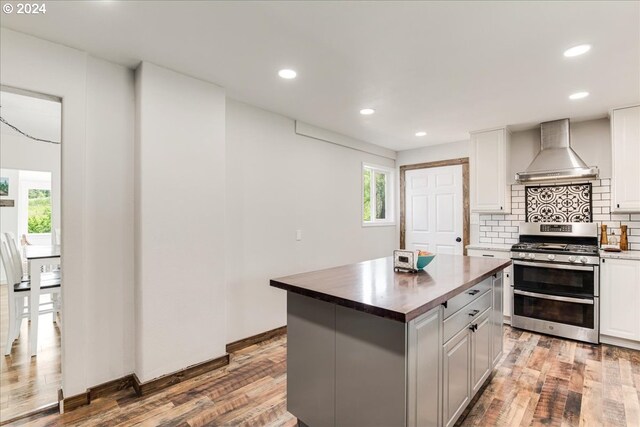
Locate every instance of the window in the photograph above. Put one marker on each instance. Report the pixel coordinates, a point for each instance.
(39, 211)
(377, 195)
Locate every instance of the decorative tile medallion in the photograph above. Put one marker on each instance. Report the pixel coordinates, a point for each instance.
(558, 203)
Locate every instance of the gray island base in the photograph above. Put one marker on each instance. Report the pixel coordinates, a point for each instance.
(370, 347)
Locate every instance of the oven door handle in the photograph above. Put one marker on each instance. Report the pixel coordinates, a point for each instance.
(556, 266)
(553, 297)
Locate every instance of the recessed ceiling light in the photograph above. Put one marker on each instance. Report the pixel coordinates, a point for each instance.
(578, 95)
(421, 133)
(367, 111)
(577, 50)
(287, 74)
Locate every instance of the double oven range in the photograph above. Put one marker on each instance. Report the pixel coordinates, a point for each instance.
(556, 280)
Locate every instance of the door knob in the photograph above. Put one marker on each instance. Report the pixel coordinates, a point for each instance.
(458, 239)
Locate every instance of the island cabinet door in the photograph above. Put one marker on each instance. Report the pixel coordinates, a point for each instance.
(481, 357)
(497, 318)
(424, 370)
(456, 384)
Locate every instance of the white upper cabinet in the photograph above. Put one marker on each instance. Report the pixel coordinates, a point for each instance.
(625, 141)
(488, 170)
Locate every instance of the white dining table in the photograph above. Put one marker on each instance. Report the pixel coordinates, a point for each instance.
(38, 257)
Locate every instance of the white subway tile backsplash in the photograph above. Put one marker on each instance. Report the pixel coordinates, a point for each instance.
(601, 189)
(620, 217)
(503, 229)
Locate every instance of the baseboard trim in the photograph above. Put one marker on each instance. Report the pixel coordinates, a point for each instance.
(160, 383)
(74, 402)
(110, 387)
(620, 342)
(255, 339)
(143, 389)
(42, 411)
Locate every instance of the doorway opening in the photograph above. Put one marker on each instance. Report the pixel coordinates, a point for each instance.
(30, 271)
(434, 206)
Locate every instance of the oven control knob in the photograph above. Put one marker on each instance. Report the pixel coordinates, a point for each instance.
(521, 255)
(583, 259)
(532, 256)
(572, 259)
(551, 257)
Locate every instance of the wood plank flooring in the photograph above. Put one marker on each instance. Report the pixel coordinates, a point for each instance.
(541, 381)
(28, 383)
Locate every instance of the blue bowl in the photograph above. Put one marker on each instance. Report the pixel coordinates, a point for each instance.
(424, 260)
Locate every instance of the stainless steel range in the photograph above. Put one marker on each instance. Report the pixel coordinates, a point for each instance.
(556, 280)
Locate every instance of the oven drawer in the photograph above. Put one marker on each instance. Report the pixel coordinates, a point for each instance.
(462, 318)
(460, 300)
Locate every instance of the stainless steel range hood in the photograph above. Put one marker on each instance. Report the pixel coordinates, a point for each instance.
(556, 160)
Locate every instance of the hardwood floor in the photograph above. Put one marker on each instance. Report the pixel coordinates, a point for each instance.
(543, 380)
(28, 383)
(540, 381)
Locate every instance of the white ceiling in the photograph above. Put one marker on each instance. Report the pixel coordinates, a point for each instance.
(443, 67)
(40, 118)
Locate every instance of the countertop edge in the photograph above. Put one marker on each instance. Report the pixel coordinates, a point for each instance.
(377, 311)
(489, 247)
(383, 312)
(630, 255)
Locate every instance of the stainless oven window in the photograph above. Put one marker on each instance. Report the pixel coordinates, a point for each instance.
(555, 281)
(570, 313)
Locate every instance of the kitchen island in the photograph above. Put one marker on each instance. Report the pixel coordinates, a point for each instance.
(367, 346)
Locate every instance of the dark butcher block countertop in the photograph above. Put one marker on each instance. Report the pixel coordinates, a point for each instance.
(373, 287)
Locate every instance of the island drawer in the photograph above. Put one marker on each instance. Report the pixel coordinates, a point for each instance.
(460, 300)
(463, 317)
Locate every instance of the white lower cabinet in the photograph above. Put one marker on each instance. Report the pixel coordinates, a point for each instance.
(456, 388)
(452, 350)
(620, 300)
(506, 281)
(481, 354)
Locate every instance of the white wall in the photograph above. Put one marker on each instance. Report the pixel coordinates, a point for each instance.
(180, 221)
(433, 153)
(279, 182)
(109, 221)
(96, 111)
(9, 215)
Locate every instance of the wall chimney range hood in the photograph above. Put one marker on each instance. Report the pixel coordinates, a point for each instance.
(556, 159)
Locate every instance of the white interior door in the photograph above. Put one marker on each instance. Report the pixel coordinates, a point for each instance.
(433, 198)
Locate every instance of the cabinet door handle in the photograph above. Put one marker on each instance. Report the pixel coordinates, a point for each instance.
(618, 205)
(474, 312)
(488, 256)
(473, 327)
(500, 207)
(473, 292)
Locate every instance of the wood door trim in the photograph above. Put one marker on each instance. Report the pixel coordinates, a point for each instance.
(464, 161)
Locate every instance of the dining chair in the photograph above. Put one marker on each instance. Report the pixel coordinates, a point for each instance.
(18, 290)
(18, 263)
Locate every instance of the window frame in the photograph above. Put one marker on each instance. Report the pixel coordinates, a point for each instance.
(389, 196)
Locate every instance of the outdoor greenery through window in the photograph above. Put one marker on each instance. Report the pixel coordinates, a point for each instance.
(376, 195)
(39, 216)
